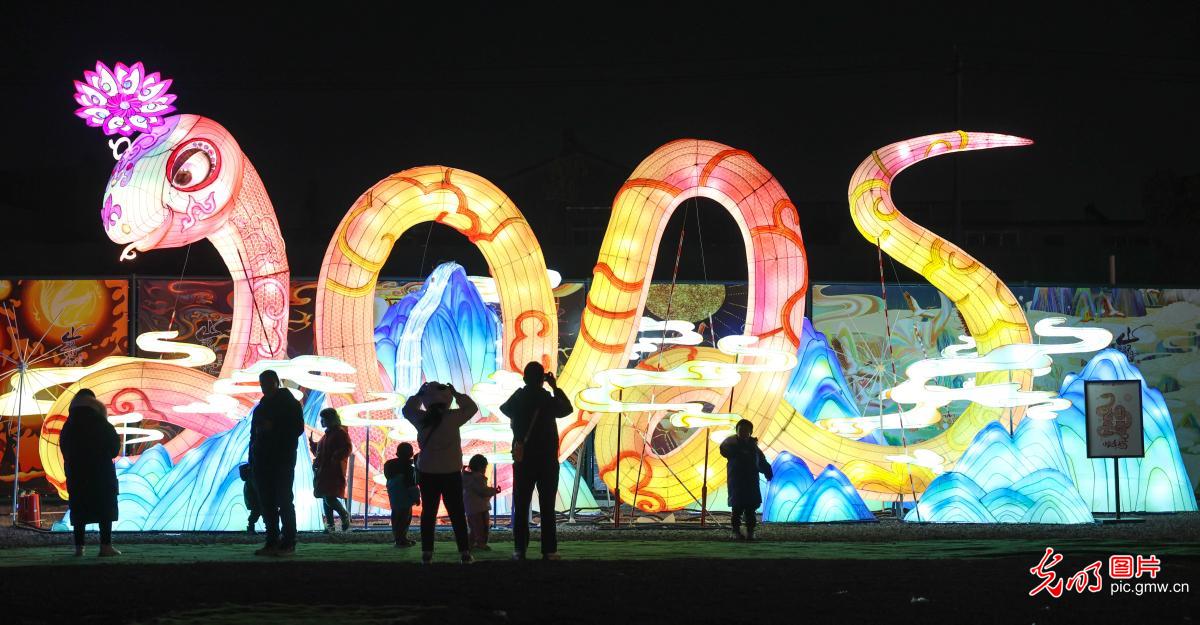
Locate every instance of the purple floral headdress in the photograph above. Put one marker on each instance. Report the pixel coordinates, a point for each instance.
(123, 101)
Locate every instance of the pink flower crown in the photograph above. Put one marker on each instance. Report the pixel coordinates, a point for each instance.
(123, 101)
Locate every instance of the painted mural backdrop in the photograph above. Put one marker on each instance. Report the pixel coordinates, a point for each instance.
(54, 323)
(202, 312)
(1157, 330)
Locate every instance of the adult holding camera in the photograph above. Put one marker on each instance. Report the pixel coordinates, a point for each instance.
(439, 465)
(533, 412)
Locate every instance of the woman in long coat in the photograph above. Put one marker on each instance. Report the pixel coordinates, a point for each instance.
(89, 443)
(745, 462)
(329, 467)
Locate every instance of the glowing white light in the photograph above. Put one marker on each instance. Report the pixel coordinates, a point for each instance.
(693, 374)
(140, 435)
(383, 401)
(403, 432)
(922, 458)
(961, 359)
(302, 370)
(213, 404)
(33, 381)
(487, 432)
(687, 335)
(487, 285)
(719, 436)
(703, 420)
(489, 395)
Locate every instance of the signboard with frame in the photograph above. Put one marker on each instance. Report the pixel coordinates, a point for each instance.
(1113, 410)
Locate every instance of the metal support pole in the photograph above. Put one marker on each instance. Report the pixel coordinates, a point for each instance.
(495, 484)
(575, 488)
(367, 481)
(704, 484)
(349, 485)
(1117, 485)
(350, 500)
(21, 368)
(617, 470)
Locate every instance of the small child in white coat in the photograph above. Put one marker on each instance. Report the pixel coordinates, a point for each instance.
(477, 497)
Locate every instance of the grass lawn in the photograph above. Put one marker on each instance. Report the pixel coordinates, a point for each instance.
(600, 550)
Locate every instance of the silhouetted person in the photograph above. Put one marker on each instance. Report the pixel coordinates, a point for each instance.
(275, 426)
(533, 412)
(403, 492)
(249, 496)
(745, 462)
(89, 443)
(329, 468)
(477, 498)
(440, 462)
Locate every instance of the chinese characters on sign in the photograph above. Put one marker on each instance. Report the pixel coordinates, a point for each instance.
(1114, 418)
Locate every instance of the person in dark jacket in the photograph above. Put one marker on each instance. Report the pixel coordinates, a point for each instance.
(533, 413)
(329, 468)
(249, 497)
(275, 429)
(403, 492)
(745, 462)
(89, 443)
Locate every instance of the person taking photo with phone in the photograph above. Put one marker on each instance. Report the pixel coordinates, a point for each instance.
(533, 411)
(439, 465)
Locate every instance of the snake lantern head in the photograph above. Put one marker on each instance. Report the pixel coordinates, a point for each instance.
(175, 182)
(173, 186)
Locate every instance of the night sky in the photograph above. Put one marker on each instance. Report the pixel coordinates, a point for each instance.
(327, 103)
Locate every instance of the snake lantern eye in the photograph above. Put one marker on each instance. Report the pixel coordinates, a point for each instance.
(193, 165)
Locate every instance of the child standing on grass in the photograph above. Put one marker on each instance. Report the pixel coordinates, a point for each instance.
(402, 491)
(249, 496)
(477, 497)
(745, 462)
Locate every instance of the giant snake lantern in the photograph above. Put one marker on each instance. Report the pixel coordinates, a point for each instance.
(184, 178)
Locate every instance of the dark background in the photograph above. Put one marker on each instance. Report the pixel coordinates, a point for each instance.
(558, 108)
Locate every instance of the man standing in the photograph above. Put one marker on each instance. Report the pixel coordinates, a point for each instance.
(275, 426)
(533, 412)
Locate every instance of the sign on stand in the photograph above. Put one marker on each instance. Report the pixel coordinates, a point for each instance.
(1113, 410)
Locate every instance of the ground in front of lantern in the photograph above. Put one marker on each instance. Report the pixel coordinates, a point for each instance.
(879, 572)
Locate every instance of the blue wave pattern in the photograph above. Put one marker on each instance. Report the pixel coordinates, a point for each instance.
(444, 331)
(1156, 483)
(795, 496)
(1000, 478)
(818, 389)
(203, 491)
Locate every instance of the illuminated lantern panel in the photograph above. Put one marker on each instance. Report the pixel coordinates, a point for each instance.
(1006, 479)
(184, 178)
(185, 181)
(795, 496)
(470, 204)
(1156, 483)
(202, 490)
